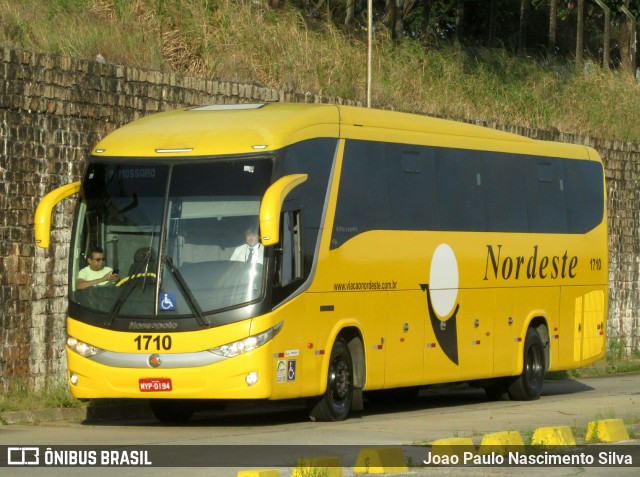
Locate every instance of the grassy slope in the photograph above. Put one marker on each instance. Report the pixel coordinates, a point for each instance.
(235, 40)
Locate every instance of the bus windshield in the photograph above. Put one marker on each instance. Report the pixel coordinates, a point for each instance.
(183, 238)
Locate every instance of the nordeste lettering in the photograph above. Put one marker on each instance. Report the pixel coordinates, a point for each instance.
(499, 265)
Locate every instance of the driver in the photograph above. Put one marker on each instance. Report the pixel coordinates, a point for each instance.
(95, 274)
(252, 250)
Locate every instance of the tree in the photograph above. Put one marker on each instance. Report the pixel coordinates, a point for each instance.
(493, 10)
(553, 27)
(398, 25)
(607, 33)
(522, 34)
(580, 35)
(628, 39)
(459, 20)
(394, 17)
(426, 16)
(350, 12)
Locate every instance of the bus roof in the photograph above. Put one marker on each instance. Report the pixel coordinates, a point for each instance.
(250, 128)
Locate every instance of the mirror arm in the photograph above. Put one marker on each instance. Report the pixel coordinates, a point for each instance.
(42, 217)
(271, 206)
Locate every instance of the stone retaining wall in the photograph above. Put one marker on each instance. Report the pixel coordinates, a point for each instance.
(54, 109)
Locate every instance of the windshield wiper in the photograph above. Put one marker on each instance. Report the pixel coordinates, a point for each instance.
(124, 294)
(186, 292)
(148, 257)
(133, 279)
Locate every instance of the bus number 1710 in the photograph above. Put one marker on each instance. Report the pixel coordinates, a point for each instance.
(157, 343)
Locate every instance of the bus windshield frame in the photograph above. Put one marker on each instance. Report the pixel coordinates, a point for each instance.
(176, 233)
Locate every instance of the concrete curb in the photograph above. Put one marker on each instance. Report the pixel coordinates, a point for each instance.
(96, 410)
(34, 416)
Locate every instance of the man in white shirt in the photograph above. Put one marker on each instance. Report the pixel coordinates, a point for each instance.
(96, 274)
(252, 251)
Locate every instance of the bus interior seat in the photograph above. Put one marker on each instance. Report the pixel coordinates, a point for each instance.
(198, 246)
(195, 253)
(144, 259)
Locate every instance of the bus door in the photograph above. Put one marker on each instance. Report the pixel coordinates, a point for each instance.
(582, 325)
(593, 323)
(506, 334)
(475, 322)
(404, 338)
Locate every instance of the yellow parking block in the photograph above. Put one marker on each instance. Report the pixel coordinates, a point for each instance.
(607, 430)
(385, 460)
(501, 442)
(452, 446)
(553, 437)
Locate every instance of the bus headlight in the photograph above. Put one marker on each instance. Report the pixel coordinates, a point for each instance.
(82, 348)
(230, 350)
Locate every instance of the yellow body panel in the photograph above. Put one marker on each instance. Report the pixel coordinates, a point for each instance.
(202, 131)
(97, 380)
(377, 282)
(184, 342)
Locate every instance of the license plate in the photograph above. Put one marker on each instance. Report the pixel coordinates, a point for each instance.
(155, 384)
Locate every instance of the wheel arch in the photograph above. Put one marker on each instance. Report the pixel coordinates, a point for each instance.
(539, 323)
(336, 400)
(353, 337)
(350, 332)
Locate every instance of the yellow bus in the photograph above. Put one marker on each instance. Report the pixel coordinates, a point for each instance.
(286, 251)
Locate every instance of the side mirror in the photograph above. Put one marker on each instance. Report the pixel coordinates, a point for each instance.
(271, 206)
(42, 217)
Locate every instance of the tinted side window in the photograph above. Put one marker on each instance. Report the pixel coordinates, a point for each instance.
(412, 187)
(405, 187)
(460, 201)
(547, 209)
(585, 203)
(363, 196)
(503, 181)
(315, 158)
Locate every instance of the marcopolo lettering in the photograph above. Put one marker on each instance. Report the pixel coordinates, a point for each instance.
(501, 266)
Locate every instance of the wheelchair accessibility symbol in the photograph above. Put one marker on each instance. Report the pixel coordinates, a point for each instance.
(167, 301)
(291, 370)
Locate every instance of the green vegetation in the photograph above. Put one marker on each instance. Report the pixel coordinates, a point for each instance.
(19, 396)
(246, 41)
(616, 361)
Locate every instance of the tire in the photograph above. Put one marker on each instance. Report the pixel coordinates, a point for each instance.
(171, 411)
(497, 391)
(335, 403)
(528, 386)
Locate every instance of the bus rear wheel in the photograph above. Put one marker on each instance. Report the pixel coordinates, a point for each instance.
(335, 403)
(528, 386)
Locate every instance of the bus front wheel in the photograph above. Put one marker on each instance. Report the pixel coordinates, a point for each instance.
(335, 403)
(528, 386)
